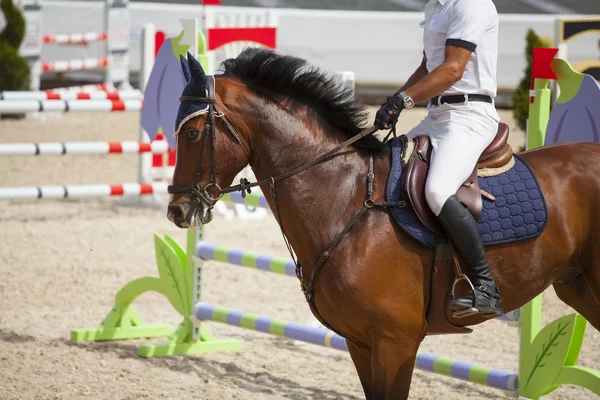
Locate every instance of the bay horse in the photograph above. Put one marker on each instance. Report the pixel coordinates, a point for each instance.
(277, 114)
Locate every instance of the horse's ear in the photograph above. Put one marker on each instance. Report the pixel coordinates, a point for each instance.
(184, 68)
(197, 75)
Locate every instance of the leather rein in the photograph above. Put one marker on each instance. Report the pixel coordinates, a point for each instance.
(244, 186)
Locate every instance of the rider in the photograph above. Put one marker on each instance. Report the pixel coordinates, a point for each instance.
(458, 76)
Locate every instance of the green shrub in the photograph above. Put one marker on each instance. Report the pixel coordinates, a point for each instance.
(521, 96)
(14, 69)
(15, 73)
(14, 32)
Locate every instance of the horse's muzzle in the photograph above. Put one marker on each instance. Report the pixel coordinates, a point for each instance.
(185, 213)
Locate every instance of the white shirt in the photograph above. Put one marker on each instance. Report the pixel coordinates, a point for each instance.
(472, 24)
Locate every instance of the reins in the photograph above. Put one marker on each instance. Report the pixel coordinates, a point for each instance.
(246, 186)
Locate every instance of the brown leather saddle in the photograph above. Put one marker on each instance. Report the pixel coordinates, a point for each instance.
(496, 156)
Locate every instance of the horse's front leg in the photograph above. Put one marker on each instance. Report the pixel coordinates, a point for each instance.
(361, 357)
(392, 364)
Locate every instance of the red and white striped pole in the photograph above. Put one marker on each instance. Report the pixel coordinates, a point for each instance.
(80, 148)
(52, 95)
(163, 164)
(75, 65)
(75, 38)
(77, 191)
(25, 106)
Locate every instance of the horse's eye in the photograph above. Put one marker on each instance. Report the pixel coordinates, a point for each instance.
(192, 135)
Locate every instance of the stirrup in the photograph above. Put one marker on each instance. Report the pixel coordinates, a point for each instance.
(467, 312)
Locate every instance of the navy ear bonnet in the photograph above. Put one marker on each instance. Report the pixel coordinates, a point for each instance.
(196, 86)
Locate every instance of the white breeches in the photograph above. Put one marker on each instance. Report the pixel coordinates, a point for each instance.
(459, 133)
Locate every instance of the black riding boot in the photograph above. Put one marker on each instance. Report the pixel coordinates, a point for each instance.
(461, 228)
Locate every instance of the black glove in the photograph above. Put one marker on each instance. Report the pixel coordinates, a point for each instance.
(388, 114)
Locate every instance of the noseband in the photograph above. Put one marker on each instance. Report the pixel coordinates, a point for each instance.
(194, 189)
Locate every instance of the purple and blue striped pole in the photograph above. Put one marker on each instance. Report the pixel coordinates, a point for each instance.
(278, 265)
(291, 330)
(324, 337)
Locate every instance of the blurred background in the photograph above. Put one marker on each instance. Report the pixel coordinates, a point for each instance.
(379, 40)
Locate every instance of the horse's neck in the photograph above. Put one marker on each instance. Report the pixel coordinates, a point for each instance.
(314, 204)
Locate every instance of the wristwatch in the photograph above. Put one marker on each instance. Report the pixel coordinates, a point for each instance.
(408, 102)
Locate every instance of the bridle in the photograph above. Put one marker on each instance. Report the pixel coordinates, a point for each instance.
(194, 189)
(244, 186)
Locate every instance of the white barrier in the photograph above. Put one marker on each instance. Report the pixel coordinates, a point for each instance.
(25, 106)
(76, 191)
(71, 95)
(80, 148)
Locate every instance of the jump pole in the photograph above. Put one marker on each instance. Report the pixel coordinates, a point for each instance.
(75, 38)
(428, 362)
(54, 95)
(78, 191)
(79, 148)
(24, 106)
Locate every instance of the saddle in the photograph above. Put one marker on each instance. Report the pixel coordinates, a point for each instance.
(495, 159)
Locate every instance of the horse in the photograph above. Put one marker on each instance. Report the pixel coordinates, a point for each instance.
(363, 276)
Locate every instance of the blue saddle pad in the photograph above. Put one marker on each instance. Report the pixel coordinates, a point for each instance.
(518, 213)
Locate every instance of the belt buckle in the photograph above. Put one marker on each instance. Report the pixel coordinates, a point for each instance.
(466, 103)
(439, 101)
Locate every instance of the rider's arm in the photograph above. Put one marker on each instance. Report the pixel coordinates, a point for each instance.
(466, 27)
(440, 79)
(419, 74)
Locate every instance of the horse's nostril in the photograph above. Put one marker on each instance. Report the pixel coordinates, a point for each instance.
(174, 213)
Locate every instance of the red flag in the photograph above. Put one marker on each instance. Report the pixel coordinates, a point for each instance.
(159, 39)
(211, 2)
(540, 66)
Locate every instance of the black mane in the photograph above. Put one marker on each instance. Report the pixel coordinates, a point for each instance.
(292, 76)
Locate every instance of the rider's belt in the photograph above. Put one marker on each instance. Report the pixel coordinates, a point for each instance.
(459, 98)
